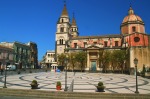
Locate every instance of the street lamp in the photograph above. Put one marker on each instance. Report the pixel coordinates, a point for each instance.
(136, 62)
(6, 61)
(124, 66)
(66, 60)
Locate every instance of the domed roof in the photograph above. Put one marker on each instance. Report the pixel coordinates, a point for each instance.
(131, 17)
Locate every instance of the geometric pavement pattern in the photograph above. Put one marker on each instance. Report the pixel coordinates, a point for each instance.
(83, 82)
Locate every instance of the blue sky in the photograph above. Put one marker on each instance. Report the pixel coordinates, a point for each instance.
(35, 20)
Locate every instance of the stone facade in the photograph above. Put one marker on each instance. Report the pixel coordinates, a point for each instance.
(132, 39)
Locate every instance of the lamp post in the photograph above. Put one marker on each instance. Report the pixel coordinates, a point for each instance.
(6, 61)
(136, 62)
(66, 60)
(124, 66)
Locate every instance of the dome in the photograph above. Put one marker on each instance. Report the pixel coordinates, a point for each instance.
(131, 17)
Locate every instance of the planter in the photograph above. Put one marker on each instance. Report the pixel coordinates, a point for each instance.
(34, 86)
(100, 87)
(58, 87)
(100, 90)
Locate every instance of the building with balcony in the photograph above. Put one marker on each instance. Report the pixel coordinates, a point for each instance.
(33, 54)
(49, 60)
(22, 54)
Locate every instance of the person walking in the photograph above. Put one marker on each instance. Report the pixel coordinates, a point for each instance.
(1, 71)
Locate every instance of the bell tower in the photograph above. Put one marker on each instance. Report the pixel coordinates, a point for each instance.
(74, 28)
(62, 32)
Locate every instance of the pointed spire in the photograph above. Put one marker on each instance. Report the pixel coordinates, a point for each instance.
(64, 12)
(73, 21)
(130, 10)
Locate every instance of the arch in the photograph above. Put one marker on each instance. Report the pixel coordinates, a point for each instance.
(133, 29)
(62, 20)
(62, 28)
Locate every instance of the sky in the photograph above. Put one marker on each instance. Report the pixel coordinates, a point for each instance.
(36, 20)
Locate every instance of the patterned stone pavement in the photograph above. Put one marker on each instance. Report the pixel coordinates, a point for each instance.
(83, 82)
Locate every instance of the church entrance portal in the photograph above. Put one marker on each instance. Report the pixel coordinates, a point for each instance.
(93, 66)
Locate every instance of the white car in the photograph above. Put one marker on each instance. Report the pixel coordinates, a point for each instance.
(11, 67)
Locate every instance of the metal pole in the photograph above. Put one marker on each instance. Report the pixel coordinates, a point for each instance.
(5, 76)
(136, 81)
(66, 79)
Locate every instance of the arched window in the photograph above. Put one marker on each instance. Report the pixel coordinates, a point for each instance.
(61, 41)
(133, 29)
(62, 29)
(62, 20)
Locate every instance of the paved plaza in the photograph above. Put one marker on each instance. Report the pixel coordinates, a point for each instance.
(83, 82)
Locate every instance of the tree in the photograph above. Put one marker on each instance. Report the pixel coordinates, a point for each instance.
(61, 59)
(81, 58)
(72, 59)
(104, 58)
(113, 60)
(120, 56)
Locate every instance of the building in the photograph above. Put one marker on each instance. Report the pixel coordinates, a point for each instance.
(6, 56)
(33, 54)
(25, 55)
(132, 38)
(49, 60)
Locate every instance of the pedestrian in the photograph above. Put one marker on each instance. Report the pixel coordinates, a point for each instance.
(1, 71)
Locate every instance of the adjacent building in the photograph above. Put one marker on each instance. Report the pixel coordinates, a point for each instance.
(49, 60)
(6, 56)
(22, 54)
(33, 54)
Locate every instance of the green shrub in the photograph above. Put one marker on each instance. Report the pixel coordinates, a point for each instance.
(100, 84)
(100, 87)
(58, 83)
(34, 82)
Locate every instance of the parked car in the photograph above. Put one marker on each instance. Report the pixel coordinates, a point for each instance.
(11, 67)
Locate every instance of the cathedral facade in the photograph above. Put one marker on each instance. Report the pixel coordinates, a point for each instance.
(132, 38)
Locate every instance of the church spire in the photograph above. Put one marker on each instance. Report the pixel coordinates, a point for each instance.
(74, 27)
(64, 12)
(130, 11)
(73, 21)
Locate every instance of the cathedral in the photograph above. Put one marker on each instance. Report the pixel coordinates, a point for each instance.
(132, 38)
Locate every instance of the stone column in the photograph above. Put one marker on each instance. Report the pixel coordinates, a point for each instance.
(87, 67)
(98, 69)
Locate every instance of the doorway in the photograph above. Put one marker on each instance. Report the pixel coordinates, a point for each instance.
(93, 66)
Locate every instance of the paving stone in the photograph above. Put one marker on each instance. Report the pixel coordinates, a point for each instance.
(83, 82)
